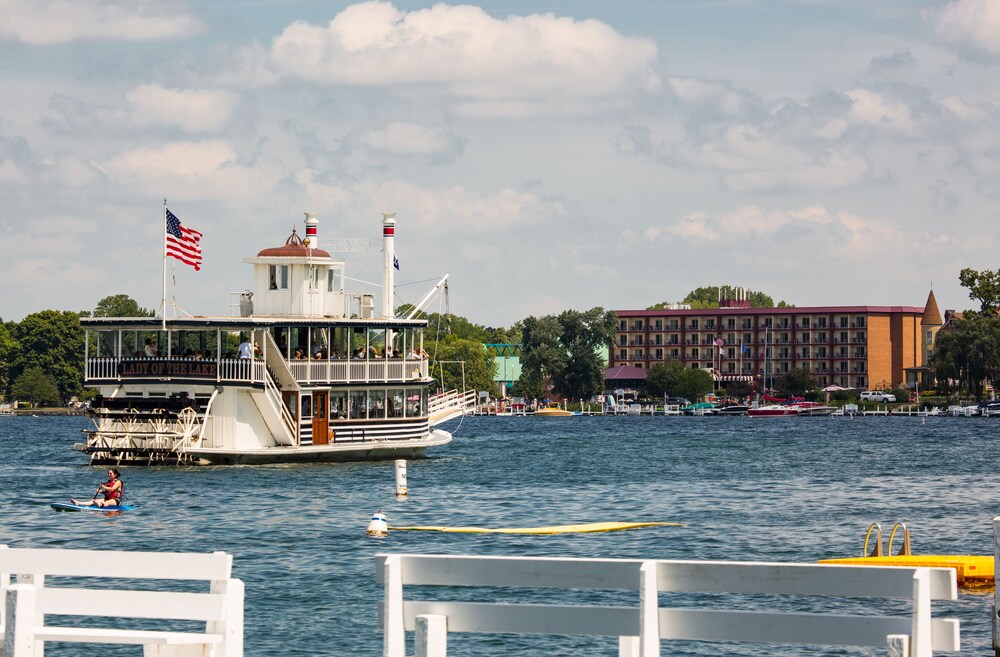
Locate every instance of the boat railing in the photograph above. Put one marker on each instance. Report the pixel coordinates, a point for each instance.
(358, 370)
(253, 371)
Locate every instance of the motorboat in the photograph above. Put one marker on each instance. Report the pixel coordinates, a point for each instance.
(552, 409)
(774, 410)
(814, 408)
(733, 409)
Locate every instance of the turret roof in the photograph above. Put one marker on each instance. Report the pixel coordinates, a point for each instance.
(932, 316)
(294, 247)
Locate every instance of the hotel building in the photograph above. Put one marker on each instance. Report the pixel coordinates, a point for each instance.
(862, 347)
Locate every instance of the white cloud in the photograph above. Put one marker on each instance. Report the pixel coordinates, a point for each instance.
(693, 227)
(194, 110)
(971, 23)
(44, 22)
(409, 139)
(467, 52)
(874, 109)
(205, 169)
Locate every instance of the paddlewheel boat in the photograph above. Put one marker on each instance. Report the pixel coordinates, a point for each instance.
(320, 377)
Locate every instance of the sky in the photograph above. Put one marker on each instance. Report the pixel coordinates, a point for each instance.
(548, 155)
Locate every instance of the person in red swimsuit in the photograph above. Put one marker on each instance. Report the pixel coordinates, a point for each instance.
(111, 490)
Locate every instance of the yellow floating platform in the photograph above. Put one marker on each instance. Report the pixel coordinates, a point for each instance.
(555, 529)
(970, 571)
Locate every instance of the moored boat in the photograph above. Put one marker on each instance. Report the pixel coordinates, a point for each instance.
(774, 410)
(552, 409)
(733, 409)
(305, 373)
(814, 408)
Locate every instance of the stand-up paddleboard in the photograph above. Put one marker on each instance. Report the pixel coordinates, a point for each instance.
(66, 506)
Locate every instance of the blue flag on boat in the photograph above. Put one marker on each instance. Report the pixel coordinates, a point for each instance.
(746, 349)
(395, 262)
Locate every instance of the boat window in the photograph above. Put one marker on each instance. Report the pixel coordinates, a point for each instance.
(413, 402)
(376, 342)
(394, 402)
(300, 340)
(376, 403)
(280, 335)
(277, 277)
(103, 344)
(314, 278)
(319, 343)
(359, 404)
(334, 280)
(338, 405)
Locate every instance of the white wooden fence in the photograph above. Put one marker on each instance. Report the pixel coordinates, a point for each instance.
(642, 626)
(40, 590)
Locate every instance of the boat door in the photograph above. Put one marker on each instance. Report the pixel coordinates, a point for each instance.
(321, 422)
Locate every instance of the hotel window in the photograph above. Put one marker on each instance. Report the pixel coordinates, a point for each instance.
(731, 323)
(659, 325)
(930, 337)
(623, 325)
(821, 322)
(623, 354)
(673, 325)
(805, 322)
(278, 277)
(623, 340)
(843, 322)
(637, 325)
(694, 324)
(659, 354)
(860, 321)
(694, 353)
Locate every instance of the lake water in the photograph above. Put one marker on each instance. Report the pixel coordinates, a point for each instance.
(797, 489)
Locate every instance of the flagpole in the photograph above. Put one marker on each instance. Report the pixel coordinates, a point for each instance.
(163, 236)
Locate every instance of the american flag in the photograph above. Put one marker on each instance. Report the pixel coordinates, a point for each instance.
(183, 243)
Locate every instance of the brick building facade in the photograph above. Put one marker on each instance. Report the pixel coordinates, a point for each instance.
(858, 347)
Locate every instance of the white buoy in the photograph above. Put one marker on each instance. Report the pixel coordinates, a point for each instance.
(379, 525)
(401, 478)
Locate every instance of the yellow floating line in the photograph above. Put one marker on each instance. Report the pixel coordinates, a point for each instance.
(555, 529)
(970, 570)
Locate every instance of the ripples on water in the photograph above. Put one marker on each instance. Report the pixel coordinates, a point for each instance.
(746, 489)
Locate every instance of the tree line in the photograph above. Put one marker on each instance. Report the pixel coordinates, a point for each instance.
(41, 357)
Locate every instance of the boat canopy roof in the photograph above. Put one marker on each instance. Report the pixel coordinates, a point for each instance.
(236, 323)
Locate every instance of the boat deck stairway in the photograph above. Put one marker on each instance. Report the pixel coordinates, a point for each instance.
(449, 405)
(278, 377)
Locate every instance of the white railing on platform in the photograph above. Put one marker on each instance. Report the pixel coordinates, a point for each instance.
(253, 370)
(358, 370)
(842, 619)
(104, 608)
(445, 406)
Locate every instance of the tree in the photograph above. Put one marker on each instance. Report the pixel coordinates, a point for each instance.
(452, 353)
(34, 386)
(984, 287)
(694, 383)
(565, 351)
(795, 382)
(663, 379)
(969, 354)
(8, 348)
(708, 297)
(542, 355)
(53, 341)
(120, 305)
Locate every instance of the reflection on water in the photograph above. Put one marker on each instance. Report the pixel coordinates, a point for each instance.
(797, 489)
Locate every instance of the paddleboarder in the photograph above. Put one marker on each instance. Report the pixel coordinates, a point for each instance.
(111, 490)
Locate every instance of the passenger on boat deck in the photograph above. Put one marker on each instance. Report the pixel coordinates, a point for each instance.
(334, 355)
(111, 490)
(424, 354)
(320, 354)
(257, 353)
(150, 348)
(300, 355)
(188, 353)
(413, 354)
(389, 353)
(359, 352)
(246, 349)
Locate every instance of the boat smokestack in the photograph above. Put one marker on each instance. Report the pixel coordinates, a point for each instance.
(389, 249)
(312, 233)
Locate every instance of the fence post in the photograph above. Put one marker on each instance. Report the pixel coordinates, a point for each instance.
(394, 633)
(19, 637)
(649, 610)
(431, 638)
